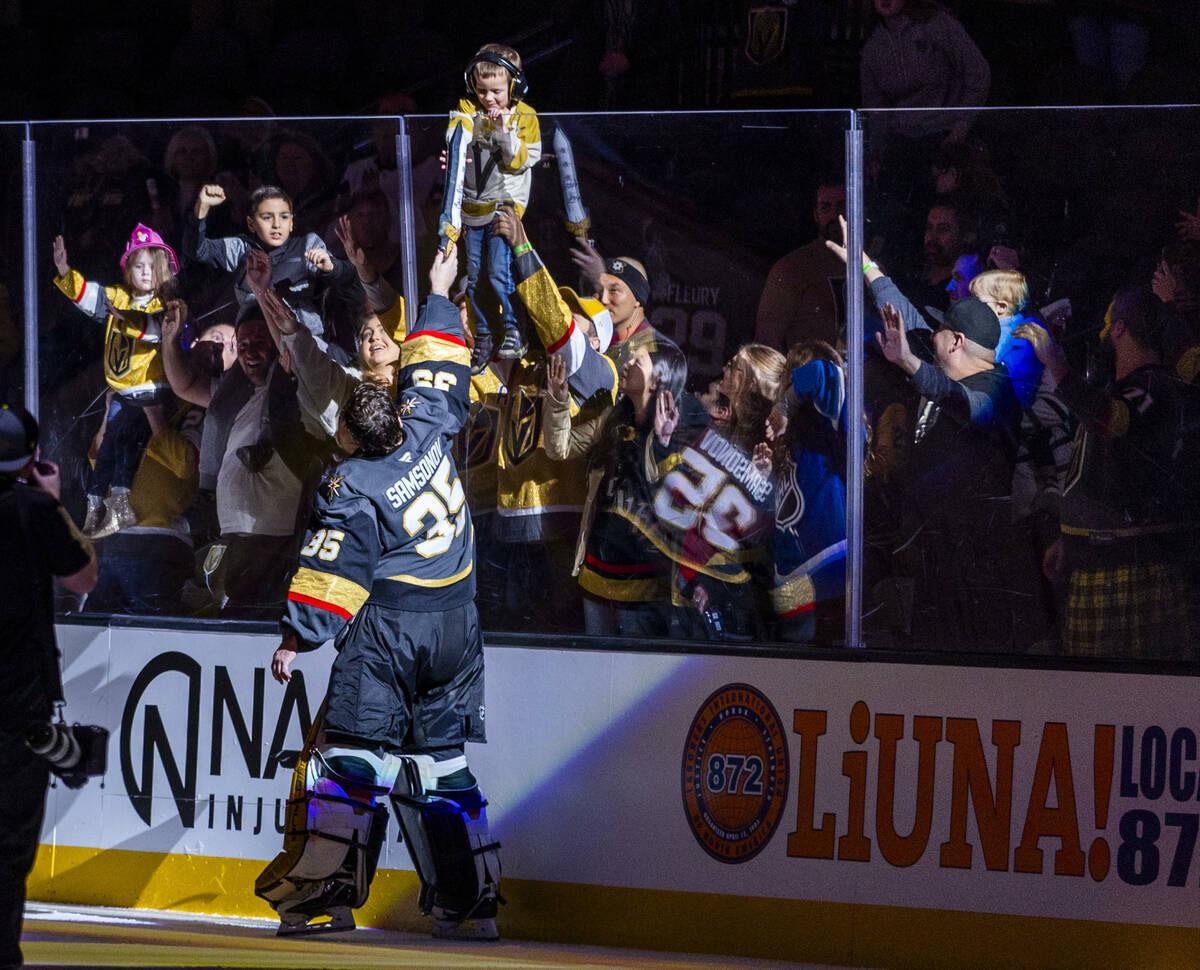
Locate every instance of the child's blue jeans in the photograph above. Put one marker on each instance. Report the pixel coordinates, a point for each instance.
(120, 451)
(499, 269)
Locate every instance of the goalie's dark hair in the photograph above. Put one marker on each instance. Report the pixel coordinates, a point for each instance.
(371, 417)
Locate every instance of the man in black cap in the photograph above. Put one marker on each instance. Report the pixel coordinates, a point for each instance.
(967, 349)
(40, 541)
(956, 518)
(965, 376)
(950, 521)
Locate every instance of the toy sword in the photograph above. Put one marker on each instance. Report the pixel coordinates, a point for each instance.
(578, 222)
(450, 221)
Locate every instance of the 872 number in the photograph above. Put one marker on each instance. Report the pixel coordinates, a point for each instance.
(734, 774)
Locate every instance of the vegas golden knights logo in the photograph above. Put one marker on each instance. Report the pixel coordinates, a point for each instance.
(735, 773)
(523, 429)
(477, 447)
(766, 33)
(119, 354)
(216, 552)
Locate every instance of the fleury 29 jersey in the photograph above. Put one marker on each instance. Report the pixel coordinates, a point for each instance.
(396, 529)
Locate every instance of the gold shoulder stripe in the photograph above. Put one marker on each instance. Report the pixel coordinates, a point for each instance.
(419, 347)
(794, 596)
(325, 588)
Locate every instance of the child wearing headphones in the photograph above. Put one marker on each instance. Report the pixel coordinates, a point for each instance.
(505, 143)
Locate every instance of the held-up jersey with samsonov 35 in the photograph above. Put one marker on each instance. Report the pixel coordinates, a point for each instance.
(396, 529)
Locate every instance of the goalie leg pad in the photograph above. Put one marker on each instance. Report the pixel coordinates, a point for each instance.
(457, 862)
(333, 835)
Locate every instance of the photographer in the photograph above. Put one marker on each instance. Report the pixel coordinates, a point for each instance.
(40, 541)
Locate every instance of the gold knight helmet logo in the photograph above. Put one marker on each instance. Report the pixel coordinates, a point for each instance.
(119, 354)
(766, 34)
(523, 428)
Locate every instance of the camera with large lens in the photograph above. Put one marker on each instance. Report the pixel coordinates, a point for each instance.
(75, 752)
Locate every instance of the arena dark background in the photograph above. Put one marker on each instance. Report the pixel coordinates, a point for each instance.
(79, 59)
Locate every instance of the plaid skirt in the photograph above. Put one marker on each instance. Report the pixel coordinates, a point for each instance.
(1127, 611)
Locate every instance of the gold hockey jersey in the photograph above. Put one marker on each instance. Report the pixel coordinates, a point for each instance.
(132, 338)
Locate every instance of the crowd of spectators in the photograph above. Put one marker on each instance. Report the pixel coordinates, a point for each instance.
(1028, 467)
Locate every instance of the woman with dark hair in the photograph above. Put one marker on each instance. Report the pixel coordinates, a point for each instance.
(626, 581)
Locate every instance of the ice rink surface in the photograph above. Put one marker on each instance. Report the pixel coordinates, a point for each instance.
(83, 936)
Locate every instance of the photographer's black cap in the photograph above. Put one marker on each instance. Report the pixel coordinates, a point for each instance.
(18, 438)
(973, 318)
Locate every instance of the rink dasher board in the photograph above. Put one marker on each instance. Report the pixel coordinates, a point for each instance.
(803, 809)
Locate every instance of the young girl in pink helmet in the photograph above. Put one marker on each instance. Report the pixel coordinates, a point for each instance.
(132, 313)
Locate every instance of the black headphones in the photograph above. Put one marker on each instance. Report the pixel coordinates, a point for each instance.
(518, 87)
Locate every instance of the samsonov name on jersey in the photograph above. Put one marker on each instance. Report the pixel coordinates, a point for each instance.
(405, 488)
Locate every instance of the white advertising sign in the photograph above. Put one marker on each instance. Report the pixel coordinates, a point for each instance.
(1020, 792)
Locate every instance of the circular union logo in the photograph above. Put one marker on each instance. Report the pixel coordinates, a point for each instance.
(735, 773)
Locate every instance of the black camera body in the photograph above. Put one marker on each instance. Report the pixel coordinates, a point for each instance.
(75, 752)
